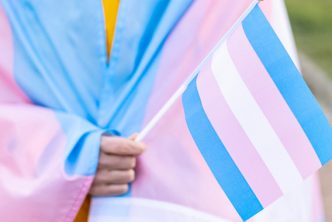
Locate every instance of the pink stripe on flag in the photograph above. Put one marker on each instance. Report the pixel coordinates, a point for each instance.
(235, 140)
(272, 104)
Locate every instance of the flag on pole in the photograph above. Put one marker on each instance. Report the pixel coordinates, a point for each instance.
(257, 125)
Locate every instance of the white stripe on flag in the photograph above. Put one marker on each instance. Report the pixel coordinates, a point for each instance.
(253, 121)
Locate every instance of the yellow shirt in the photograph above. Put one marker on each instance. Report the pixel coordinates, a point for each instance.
(110, 14)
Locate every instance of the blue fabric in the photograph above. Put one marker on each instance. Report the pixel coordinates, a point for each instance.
(289, 82)
(61, 64)
(217, 157)
(83, 142)
(134, 59)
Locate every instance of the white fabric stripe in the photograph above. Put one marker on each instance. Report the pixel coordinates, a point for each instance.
(133, 209)
(253, 121)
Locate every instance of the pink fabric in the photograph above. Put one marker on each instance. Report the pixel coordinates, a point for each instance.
(239, 147)
(192, 39)
(10, 92)
(282, 120)
(32, 168)
(183, 178)
(33, 184)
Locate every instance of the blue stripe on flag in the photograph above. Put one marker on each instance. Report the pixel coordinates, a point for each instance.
(215, 154)
(290, 83)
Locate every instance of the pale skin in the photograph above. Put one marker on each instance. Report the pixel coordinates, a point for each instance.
(116, 167)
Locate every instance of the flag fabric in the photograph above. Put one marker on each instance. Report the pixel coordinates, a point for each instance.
(247, 130)
(305, 203)
(58, 94)
(257, 126)
(254, 120)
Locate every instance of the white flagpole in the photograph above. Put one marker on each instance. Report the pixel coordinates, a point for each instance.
(153, 122)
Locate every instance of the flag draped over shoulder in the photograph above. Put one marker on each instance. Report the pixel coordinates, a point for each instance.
(58, 94)
(245, 131)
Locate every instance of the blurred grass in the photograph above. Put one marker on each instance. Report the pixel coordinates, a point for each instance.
(312, 25)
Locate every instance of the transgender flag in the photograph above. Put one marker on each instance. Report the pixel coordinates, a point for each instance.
(254, 120)
(244, 131)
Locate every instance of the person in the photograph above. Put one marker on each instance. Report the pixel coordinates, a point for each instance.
(76, 79)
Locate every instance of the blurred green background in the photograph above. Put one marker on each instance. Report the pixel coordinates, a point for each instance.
(312, 25)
